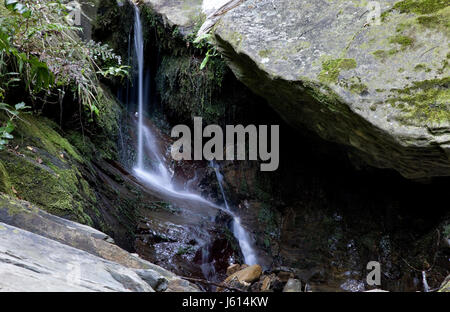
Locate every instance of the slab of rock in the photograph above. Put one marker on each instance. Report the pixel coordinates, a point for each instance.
(155, 280)
(378, 86)
(23, 215)
(267, 282)
(29, 262)
(233, 269)
(185, 14)
(445, 286)
(293, 285)
(247, 275)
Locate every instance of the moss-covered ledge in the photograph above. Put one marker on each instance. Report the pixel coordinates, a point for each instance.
(379, 89)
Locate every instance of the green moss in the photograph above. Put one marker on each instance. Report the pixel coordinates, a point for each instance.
(188, 91)
(264, 53)
(358, 88)
(403, 41)
(425, 102)
(380, 54)
(268, 221)
(422, 67)
(41, 132)
(185, 250)
(43, 169)
(5, 184)
(420, 6)
(332, 68)
(55, 189)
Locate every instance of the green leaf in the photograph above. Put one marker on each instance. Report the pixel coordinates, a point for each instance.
(9, 127)
(205, 61)
(202, 37)
(11, 4)
(6, 135)
(20, 106)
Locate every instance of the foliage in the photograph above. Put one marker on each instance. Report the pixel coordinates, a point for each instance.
(8, 128)
(202, 42)
(41, 52)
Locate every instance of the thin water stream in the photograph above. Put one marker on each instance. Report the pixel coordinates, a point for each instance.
(152, 170)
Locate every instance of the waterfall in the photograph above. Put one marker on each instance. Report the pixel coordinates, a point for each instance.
(238, 230)
(139, 49)
(159, 177)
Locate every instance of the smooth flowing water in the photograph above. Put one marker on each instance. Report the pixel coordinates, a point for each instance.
(151, 165)
(139, 50)
(238, 230)
(151, 168)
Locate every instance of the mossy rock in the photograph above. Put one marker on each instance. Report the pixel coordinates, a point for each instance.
(352, 80)
(42, 167)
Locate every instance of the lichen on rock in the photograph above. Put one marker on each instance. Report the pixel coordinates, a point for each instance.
(355, 82)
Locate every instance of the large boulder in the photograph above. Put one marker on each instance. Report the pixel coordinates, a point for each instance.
(41, 226)
(184, 14)
(379, 88)
(30, 262)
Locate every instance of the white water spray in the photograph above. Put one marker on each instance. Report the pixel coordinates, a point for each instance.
(139, 49)
(238, 230)
(159, 177)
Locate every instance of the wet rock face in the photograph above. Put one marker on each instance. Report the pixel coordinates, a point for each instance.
(321, 64)
(201, 250)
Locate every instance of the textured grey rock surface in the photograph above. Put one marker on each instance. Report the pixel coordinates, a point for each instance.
(382, 90)
(29, 262)
(152, 278)
(45, 227)
(293, 285)
(184, 14)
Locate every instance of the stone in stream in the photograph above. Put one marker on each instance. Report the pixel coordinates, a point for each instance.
(248, 275)
(267, 282)
(233, 269)
(293, 285)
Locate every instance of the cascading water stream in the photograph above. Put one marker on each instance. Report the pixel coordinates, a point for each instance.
(157, 175)
(139, 49)
(161, 176)
(239, 232)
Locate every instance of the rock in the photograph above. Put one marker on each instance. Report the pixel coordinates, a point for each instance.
(29, 262)
(285, 276)
(185, 14)
(247, 275)
(445, 286)
(22, 214)
(293, 285)
(155, 280)
(326, 66)
(267, 282)
(233, 269)
(376, 290)
(277, 285)
(180, 285)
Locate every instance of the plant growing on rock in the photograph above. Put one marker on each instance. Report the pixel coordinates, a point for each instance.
(42, 53)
